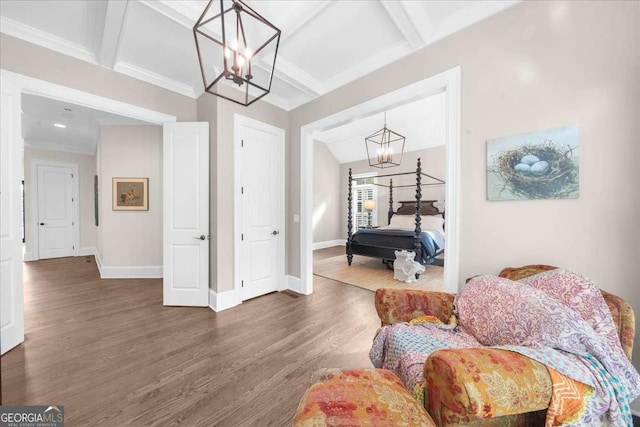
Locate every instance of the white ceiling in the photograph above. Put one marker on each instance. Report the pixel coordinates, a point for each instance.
(325, 44)
(422, 123)
(82, 125)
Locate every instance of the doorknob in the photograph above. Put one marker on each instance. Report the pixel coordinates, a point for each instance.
(201, 237)
(275, 233)
(42, 223)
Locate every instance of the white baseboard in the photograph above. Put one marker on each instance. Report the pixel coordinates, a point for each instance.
(126, 272)
(89, 250)
(295, 284)
(328, 244)
(219, 301)
(98, 261)
(27, 257)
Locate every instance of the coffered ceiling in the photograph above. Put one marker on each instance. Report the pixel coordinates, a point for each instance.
(324, 45)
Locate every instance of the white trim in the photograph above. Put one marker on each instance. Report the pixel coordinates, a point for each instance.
(219, 301)
(27, 257)
(98, 261)
(33, 203)
(110, 37)
(448, 81)
(88, 250)
(60, 147)
(130, 272)
(154, 79)
(47, 40)
(238, 122)
(294, 284)
(400, 17)
(47, 89)
(328, 244)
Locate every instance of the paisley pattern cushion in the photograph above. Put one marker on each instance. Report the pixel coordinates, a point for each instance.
(360, 397)
(403, 305)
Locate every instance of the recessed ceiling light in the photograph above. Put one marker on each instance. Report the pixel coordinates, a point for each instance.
(59, 125)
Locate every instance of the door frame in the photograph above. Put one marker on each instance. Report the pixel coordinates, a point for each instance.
(448, 81)
(34, 212)
(238, 122)
(33, 86)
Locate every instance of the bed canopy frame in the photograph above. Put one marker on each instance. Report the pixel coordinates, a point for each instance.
(406, 208)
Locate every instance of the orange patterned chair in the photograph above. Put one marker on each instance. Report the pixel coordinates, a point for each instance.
(360, 397)
(515, 390)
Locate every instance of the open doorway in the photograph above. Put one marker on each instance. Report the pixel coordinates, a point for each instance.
(448, 83)
(376, 196)
(60, 169)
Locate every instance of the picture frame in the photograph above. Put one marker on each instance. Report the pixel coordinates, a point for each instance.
(544, 164)
(130, 194)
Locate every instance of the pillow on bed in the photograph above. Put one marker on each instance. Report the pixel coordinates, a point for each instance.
(403, 221)
(432, 222)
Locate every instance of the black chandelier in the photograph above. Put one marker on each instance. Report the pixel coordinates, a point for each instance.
(385, 147)
(236, 45)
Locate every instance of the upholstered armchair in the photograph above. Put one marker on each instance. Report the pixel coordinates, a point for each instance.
(519, 390)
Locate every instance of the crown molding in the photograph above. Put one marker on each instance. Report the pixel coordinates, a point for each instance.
(39, 145)
(41, 38)
(154, 79)
(471, 15)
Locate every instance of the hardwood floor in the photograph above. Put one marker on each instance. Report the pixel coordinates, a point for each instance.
(113, 355)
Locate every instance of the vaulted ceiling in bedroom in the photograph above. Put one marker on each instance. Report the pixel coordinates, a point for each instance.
(422, 123)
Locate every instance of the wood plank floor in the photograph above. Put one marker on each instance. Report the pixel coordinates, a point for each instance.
(113, 355)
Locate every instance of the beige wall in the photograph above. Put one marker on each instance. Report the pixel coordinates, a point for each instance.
(327, 224)
(537, 65)
(131, 238)
(433, 163)
(86, 171)
(220, 116)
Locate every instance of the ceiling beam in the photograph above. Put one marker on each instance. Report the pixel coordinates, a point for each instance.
(113, 23)
(400, 18)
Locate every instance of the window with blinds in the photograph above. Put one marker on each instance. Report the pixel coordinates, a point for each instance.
(363, 189)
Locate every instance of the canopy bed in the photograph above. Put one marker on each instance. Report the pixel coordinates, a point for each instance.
(417, 225)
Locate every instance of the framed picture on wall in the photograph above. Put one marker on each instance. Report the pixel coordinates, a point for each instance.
(539, 165)
(130, 194)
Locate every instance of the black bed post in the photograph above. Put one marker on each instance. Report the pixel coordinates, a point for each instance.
(349, 218)
(390, 213)
(417, 238)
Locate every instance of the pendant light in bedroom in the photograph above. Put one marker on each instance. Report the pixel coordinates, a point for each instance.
(237, 51)
(384, 147)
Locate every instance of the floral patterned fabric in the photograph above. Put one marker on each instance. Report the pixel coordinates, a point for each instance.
(404, 348)
(532, 322)
(621, 311)
(403, 305)
(464, 386)
(395, 305)
(360, 397)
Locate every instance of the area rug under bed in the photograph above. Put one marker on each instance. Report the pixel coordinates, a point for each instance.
(370, 273)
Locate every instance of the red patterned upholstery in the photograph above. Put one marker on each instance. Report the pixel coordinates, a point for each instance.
(485, 387)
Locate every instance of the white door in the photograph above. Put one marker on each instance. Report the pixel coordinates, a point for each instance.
(56, 212)
(11, 173)
(261, 260)
(186, 214)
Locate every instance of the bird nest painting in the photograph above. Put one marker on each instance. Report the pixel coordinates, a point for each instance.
(537, 165)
